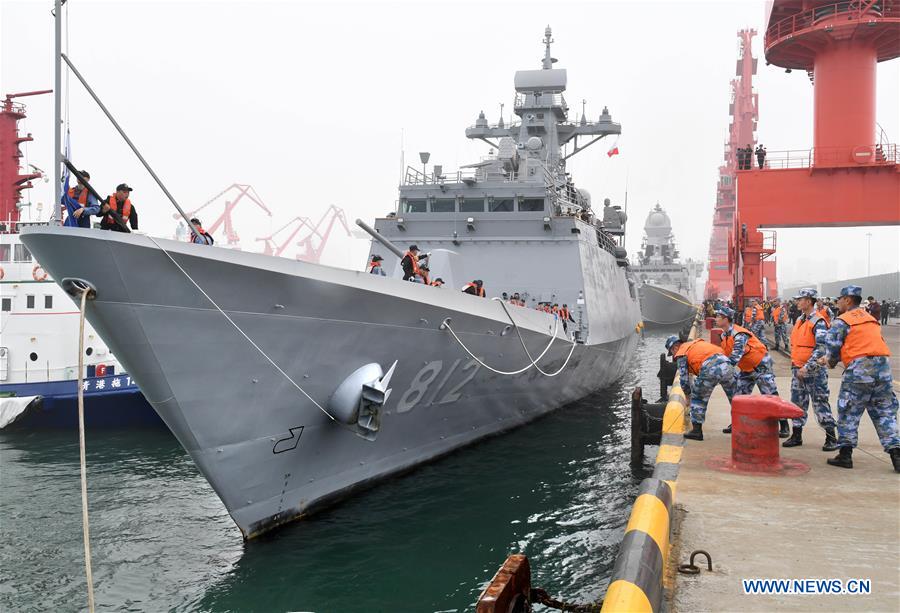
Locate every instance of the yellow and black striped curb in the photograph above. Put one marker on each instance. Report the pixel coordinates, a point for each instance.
(637, 579)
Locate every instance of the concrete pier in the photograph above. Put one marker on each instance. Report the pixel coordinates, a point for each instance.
(828, 523)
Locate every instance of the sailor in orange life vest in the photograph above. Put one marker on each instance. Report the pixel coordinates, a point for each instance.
(809, 381)
(89, 204)
(749, 354)
(476, 288)
(437, 282)
(757, 324)
(779, 323)
(709, 365)
(204, 238)
(410, 262)
(375, 266)
(119, 206)
(866, 385)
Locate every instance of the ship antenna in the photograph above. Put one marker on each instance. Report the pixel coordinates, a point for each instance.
(548, 59)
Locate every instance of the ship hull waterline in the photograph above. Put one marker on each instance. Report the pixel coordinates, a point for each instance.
(269, 453)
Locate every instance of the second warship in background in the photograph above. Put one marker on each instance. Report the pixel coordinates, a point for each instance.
(292, 383)
(667, 287)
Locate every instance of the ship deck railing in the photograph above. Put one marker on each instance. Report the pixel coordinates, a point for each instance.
(414, 176)
(881, 154)
(555, 100)
(855, 9)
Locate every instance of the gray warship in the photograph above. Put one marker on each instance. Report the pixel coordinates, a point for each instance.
(667, 287)
(292, 384)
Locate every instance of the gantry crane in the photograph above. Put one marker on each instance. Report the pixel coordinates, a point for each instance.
(241, 191)
(271, 248)
(312, 245)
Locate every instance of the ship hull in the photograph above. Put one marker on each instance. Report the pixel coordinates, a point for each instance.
(269, 453)
(664, 308)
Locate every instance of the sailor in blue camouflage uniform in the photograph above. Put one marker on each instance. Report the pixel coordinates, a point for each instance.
(779, 323)
(758, 322)
(710, 367)
(866, 385)
(750, 357)
(809, 381)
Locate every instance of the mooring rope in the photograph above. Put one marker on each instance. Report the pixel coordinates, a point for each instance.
(85, 525)
(242, 333)
(445, 325)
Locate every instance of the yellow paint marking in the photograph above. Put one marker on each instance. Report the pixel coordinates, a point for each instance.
(627, 597)
(673, 486)
(649, 515)
(669, 453)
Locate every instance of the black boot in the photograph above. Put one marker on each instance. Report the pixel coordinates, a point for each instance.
(830, 440)
(696, 433)
(796, 439)
(727, 430)
(895, 458)
(783, 430)
(844, 458)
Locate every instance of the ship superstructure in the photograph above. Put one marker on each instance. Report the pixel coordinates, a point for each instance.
(667, 287)
(292, 383)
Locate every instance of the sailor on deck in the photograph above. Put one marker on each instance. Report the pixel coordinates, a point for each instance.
(118, 211)
(757, 322)
(410, 262)
(89, 205)
(375, 266)
(809, 380)
(476, 288)
(866, 385)
(750, 356)
(710, 367)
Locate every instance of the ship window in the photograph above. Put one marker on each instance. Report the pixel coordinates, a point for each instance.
(501, 205)
(33, 356)
(414, 206)
(21, 253)
(471, 205)
(443, 205)
(89, 351)
(4, 253)
(29, 302)
(7, 304)
(48, 302)
(531, 204)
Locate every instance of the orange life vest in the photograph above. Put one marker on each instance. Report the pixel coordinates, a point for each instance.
(776, 314)
(864, 338)
(803, 340)
(760, 313)
(82, 197)
(415, 261)
(373, 266)
(564, 313)
(437, 283)
(697, 352)
(479, 291)
(114, 205)
(748, 314)
(754, 352)
(825, 314)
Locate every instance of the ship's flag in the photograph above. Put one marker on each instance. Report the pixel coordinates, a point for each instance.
(613, 151)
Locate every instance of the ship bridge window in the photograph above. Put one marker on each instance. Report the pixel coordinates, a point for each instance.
(414, 205)
(4, 253)
(21, 253)
(471, 205)
(501, 205)
(443, 205)
(531, 204)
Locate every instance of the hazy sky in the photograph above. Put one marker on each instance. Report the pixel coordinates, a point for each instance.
(307, 102)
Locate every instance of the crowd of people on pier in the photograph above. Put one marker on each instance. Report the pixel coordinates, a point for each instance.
(817, 333)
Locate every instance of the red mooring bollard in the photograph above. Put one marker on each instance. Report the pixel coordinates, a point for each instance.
(755, 444)
(715, 336)
(710, 322)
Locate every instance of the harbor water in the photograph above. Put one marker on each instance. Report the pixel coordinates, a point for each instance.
(558, 490)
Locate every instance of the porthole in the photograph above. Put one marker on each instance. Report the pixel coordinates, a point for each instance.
(33, 356)
(89, 351)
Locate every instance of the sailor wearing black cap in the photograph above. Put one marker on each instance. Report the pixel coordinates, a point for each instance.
(410, 262)
(375, 266)
(118, 211)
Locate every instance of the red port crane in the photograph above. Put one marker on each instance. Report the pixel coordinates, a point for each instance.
(846, 178)
(276, 249)
(236, 192)
(11, 182)
(312, 245)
